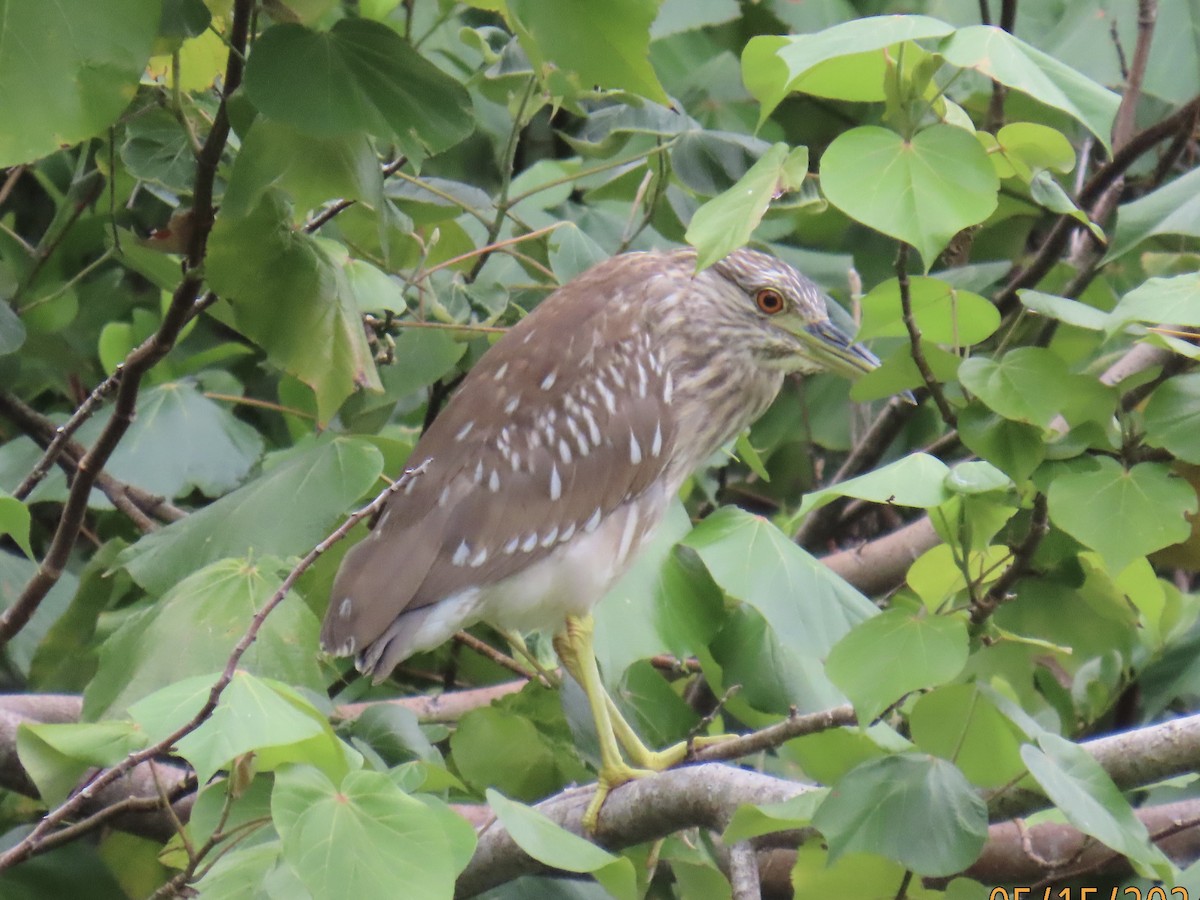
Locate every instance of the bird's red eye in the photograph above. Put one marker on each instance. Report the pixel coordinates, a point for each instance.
(769, 301)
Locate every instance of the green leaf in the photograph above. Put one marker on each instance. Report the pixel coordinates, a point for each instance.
(1172, 417)
(12, 330)
(1013, 447)
(841, 62)
(1160, 301)
(1086, 795)
(977, 477)
(241, 873)
(69, 71)
(765, 818)
(661, 605)
(1033, 385)
(358, 76)
(917, 480)
(56, 756)
(14, 521)
(937, 574)
(259, 716)
(880, 805)
(943, 314)
(676, 16)
(1122, 513)
(1025, 148)
(725, 223)
(180, 441)
(806, 607)
(577, 46)
(497, 747)
(558, 848)
(999, 55)
(269, 719)
(298, 297)
(1048, 193)
(342, 166)
(894, 653)
(899, 372)
(157, 149)
(422, 357)
(193, 629)
(709, 162)
(1172, 209)
(1069, 312)
(923, 191)
(361, 838)
(958, 722)
(281, 513)
(573, 252)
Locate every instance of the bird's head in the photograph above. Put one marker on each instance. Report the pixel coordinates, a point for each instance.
(782, 317)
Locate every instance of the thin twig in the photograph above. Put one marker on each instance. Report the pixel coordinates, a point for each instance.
(10, 181)
(1008, 22)
(914, 340)
(506, 175)
(488, 651)
(339, 206)
(21, 850)
(490, 247)
(772, 736)
(1018, 565)
(94, 184)
(133, 501)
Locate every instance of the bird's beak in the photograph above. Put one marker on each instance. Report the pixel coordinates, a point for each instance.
(830, 346)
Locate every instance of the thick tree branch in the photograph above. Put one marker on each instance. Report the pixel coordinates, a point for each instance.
(878, 566)
(707, 795)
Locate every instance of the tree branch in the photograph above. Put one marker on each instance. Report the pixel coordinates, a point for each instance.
(914, 340)
(1182, 120)
(136, 503)
(1018, 566)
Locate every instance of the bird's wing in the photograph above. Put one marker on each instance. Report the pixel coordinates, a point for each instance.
(561, 422)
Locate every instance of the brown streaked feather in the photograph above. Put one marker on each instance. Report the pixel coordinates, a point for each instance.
(551, 363)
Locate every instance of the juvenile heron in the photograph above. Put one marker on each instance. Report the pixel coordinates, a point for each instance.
(559, 455)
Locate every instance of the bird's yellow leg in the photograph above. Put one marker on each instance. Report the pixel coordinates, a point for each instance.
(517, 642)
(574, 647)
(655, 760)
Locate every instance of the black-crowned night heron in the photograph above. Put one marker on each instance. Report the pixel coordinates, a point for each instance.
(559, 454)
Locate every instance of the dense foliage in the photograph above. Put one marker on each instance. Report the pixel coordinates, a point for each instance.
(246, 251)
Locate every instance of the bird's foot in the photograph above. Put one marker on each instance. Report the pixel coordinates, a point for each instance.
(660, 760)
(609, 777)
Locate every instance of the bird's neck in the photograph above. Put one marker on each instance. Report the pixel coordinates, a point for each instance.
(719, 391)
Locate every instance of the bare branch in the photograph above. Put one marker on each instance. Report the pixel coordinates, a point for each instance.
(880, 565)
(136, 503)
(743, 872)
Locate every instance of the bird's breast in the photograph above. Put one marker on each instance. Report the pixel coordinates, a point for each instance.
(576, 575)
